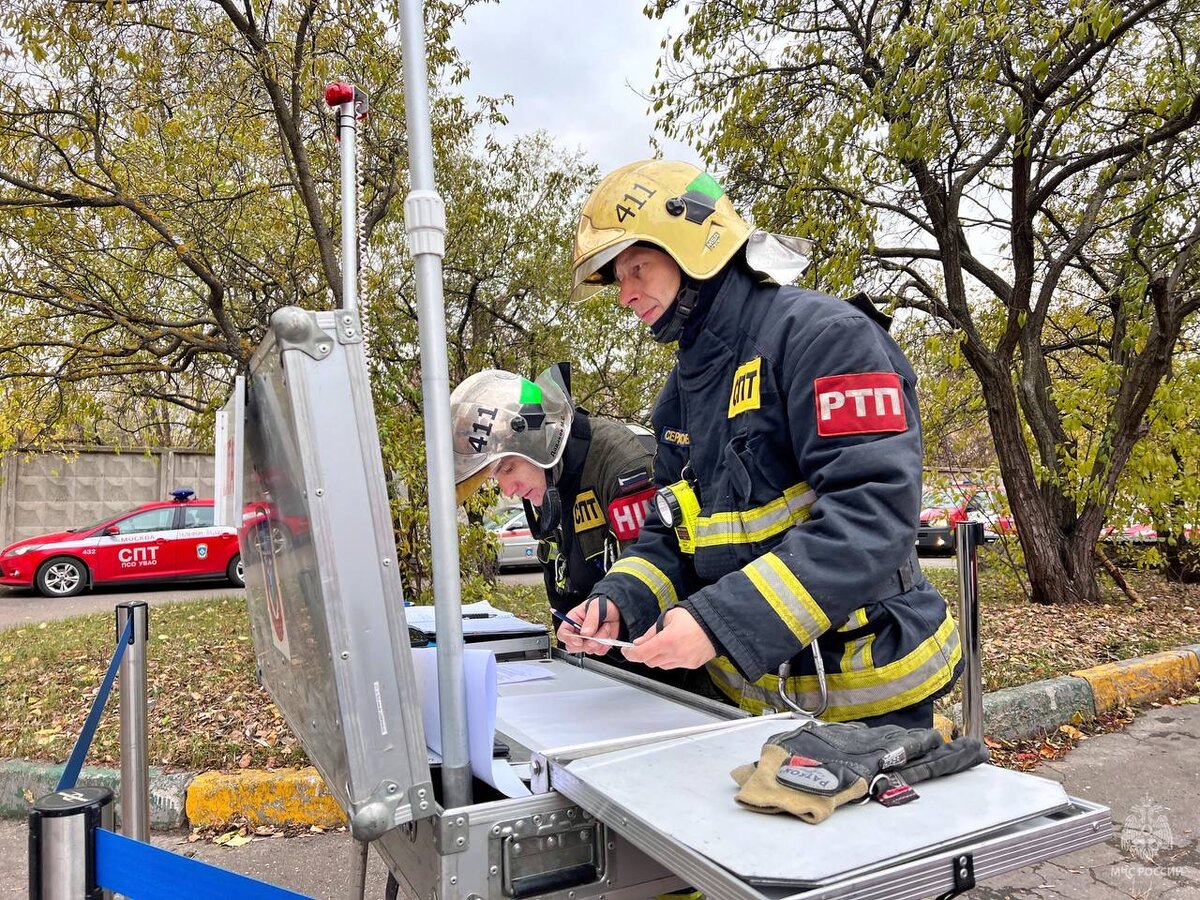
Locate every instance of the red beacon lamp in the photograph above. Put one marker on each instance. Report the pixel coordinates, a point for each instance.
(340, 92)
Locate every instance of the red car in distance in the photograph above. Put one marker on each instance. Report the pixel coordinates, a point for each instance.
(171, 540)
(942, 510)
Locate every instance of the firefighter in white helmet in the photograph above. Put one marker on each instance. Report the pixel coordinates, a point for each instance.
(788, 461)
(584, 480)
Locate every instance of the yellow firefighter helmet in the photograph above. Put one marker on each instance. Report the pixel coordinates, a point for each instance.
(672, 205)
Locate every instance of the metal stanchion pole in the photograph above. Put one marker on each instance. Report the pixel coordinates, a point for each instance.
(135, 760)
(425, 222)
(62, 843)
(967, 538)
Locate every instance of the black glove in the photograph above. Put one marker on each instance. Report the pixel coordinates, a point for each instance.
(814, 769)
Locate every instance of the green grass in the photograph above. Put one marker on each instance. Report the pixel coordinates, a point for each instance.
(207, 711)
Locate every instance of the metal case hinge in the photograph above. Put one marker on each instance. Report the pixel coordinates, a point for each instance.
(963, 871)
(386, 809)
(297, 329)
(452, 833)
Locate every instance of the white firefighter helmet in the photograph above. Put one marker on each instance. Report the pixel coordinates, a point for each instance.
(495, 414)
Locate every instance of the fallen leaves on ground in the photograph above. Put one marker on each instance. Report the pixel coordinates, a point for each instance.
(207, 710)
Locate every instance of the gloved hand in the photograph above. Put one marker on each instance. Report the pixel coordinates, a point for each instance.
(812, 770)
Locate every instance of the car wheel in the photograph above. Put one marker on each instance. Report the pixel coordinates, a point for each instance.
(235, 571)
(61, 576)
(281, 539)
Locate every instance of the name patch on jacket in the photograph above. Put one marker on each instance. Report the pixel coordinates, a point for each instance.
(627, 514)
(588, 514)
(863, 403)
(676, 437)
(746, 387)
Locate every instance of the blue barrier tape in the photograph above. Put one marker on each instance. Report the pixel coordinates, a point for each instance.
(84, 741)
(145, 872)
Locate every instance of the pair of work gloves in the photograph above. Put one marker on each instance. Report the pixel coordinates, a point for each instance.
(812, 770)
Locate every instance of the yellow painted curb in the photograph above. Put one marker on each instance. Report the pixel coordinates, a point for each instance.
(1143, 679)
(279, 797)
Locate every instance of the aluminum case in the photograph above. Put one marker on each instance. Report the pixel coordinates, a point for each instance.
(327, 609)
(620, 813)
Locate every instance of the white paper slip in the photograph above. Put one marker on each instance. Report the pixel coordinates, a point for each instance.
(515, 672)
(610, 642)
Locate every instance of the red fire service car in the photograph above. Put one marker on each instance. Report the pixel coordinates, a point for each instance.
(172, 540)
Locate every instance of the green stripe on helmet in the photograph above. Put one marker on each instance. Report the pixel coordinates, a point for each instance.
(706, 185)
(530, 392)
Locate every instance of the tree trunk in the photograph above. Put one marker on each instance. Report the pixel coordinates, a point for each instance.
(1059, 557)
(1181, 560)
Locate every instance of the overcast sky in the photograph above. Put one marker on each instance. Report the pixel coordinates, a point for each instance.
(574, 68)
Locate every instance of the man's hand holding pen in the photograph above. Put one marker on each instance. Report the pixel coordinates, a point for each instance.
(597, 616)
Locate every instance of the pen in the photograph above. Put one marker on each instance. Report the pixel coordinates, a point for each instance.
(567, 619)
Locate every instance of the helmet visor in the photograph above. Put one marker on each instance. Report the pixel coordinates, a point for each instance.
(587, 277)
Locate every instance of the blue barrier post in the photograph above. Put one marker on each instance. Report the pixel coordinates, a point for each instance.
(82, 743)
(62, 843)
(135, 761)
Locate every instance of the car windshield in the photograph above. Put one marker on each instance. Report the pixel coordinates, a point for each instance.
(939, 498)
(93, 525)
(498, 517)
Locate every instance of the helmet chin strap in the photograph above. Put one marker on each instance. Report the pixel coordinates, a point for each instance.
(669, 327)
(544, 523)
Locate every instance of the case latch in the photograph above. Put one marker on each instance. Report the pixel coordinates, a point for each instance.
(546, 852)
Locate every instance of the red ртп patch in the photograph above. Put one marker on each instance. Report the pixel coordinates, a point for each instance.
(627, 514)
(862, 403)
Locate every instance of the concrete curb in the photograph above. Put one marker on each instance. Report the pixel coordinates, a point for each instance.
(1040, 707)
(22, 782)
(1142, 680)
(300, 797)
(1015, 713)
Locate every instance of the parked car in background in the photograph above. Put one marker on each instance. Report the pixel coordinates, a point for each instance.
(518, 547)
(1138, 530)
(943, 509)
(171, 540)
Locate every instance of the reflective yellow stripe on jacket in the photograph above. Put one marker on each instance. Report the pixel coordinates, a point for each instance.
(745, 526)
(857, 656)
(650, 575)
(788, 597)
(856, 694)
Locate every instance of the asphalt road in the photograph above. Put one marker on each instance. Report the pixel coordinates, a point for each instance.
(1148, 775)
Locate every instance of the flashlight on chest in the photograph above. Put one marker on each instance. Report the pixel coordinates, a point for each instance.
(679, 508)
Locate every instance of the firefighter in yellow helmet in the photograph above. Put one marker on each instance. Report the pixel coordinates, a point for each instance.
(781, 544)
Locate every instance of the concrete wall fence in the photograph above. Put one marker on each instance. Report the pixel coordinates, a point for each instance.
(46, 492)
